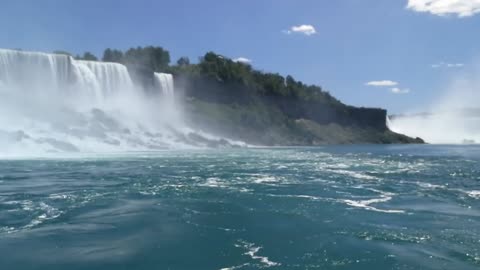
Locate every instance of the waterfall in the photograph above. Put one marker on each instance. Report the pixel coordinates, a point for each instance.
(52, 103)
(60, 74)
(29, 70)
(108, 77)
(389, 124)
(164, 82)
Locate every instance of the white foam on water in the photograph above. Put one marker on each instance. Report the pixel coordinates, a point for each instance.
(299, 196)
(41, 212)
(235, 267)
(346, 167)
(214, 182)
(430, 186)
(354, 174)
(252, 251)
(266, 179)
(367, 204)
(474, 194)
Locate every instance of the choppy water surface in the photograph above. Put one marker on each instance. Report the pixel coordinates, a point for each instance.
(352, 207)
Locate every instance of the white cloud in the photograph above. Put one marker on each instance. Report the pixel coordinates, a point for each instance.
(381, 83)
(388, 83)
(447, 65)
(305, 29)
(242, 60)
(461, 8)
(397, 90)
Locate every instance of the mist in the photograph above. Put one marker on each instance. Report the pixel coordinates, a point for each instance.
(53, 103)
(452, 118)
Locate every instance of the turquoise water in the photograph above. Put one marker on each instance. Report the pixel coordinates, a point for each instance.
(349, 207)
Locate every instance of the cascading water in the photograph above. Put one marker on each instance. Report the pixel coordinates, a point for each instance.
(164, 82)
(60, 75)
(54, 103)
(33, 71)
(108, 77)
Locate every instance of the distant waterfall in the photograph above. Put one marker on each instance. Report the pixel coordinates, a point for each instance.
(389, 124)
(53, 103)
(164, 82)
(441, 127)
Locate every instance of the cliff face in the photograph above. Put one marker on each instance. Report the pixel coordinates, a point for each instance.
(239, 112)
(330, 114)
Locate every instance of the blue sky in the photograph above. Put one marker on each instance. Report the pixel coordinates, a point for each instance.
(412, 48)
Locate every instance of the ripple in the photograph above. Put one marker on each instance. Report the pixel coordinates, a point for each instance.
(248, 209)
(366, 204)
(38, 213)
(474, 194)
(266, 179)
(252, 250)
(214, 182)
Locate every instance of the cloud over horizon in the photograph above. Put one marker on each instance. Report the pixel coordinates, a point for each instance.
(305, 29)
(396, 90)
(381, 83)
(243, 60)
(460, 8)
(447, 65)
(388, 83)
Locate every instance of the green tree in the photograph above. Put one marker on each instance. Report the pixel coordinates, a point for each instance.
(115, 56)
(88, 56)
(183, 61)
(154, 58)
(107, 55)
